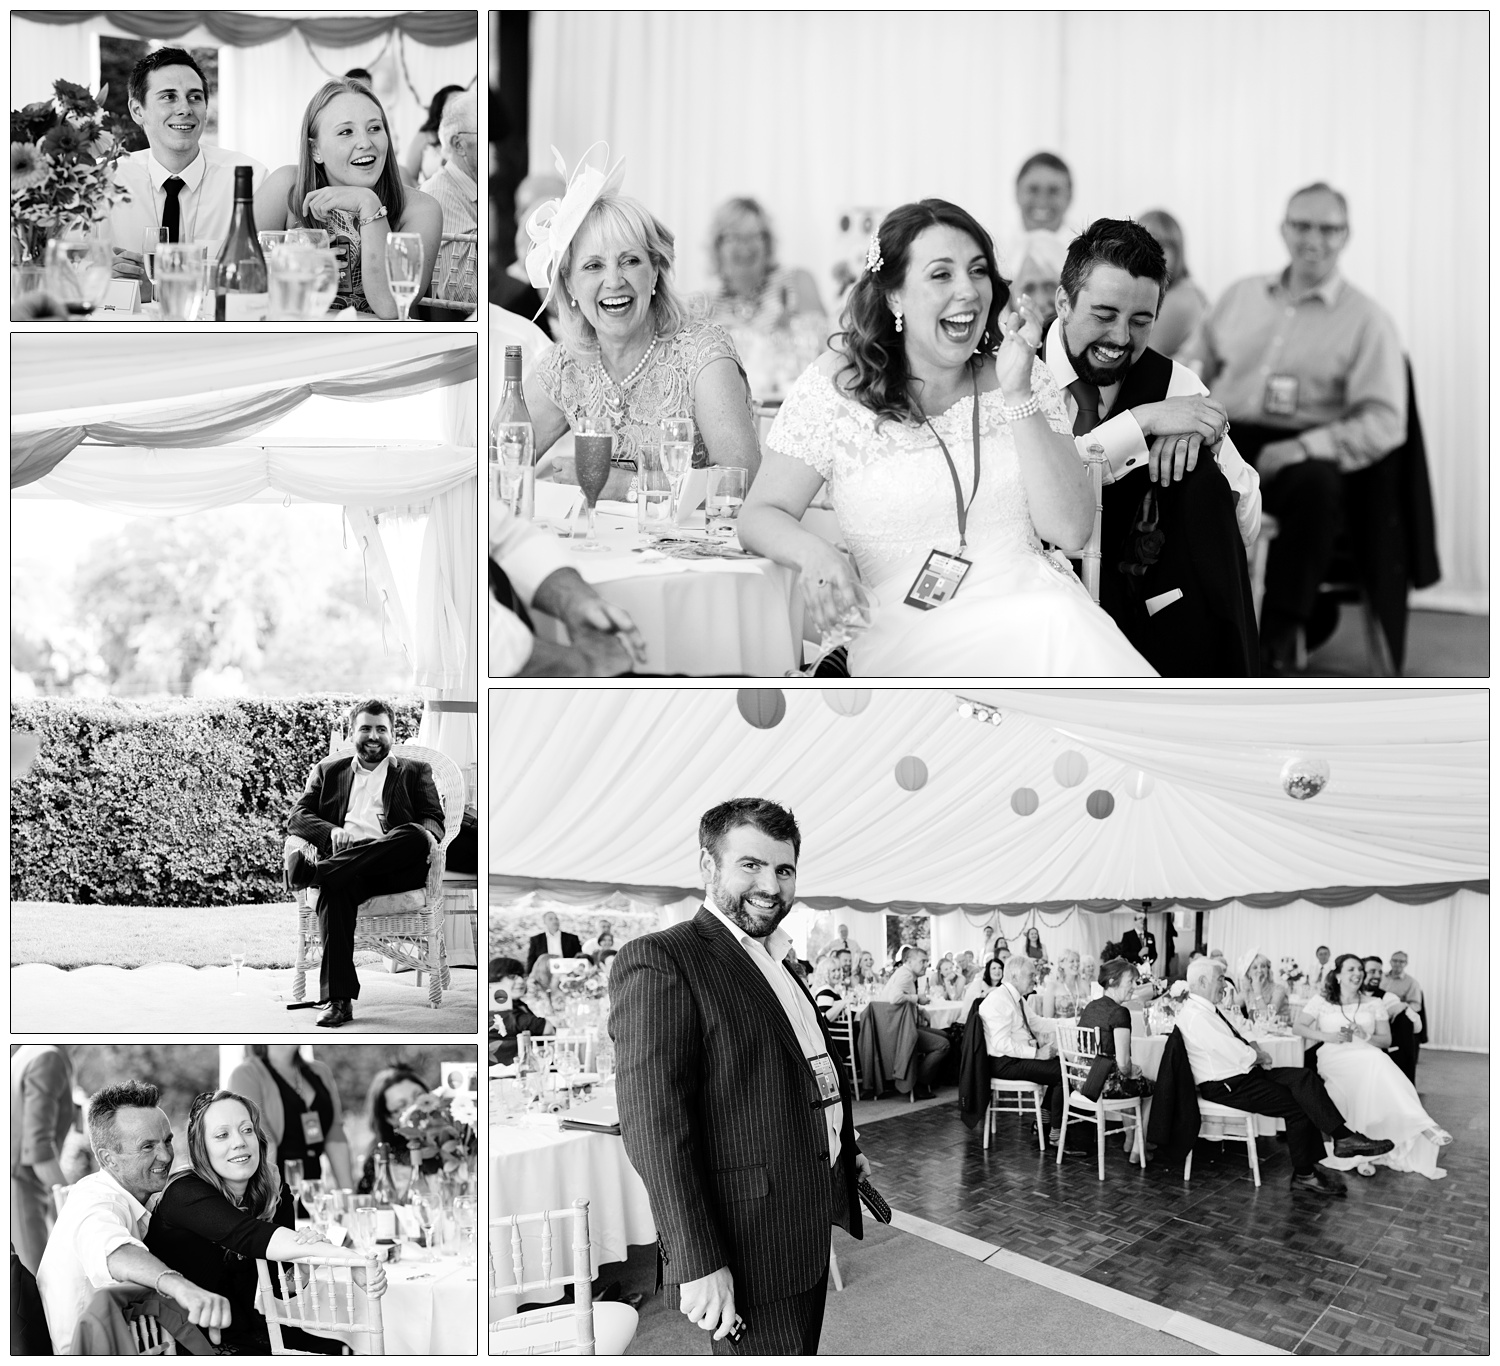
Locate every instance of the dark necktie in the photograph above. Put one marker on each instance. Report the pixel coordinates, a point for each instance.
(1021, 1006)
(1086, 396)
(1232, 1029)
(171, 214)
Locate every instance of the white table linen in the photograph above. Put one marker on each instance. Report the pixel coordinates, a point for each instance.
(429, 1307)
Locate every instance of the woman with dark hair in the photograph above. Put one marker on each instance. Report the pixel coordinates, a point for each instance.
(392, 1089)
(425, 157)
(984, 982)
(347, 181)
(948, 454)
(1371, 1092)
(1184, 303)
(304, 1118)
(214, 1220)
(1110, 1017)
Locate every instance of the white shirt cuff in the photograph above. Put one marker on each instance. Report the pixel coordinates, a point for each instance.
(1122, 441)
(510, 642)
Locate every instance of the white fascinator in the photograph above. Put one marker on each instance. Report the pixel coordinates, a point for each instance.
(554, 222)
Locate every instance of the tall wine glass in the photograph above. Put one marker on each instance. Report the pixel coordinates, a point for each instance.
(593, 449)
(238, 959)
(152, 240)
(403, 269)
(676, 453)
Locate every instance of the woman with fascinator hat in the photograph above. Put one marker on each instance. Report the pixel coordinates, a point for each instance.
(1259, 989)
(627, 352)
(948, 454)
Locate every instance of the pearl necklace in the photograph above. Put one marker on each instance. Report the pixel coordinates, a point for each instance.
(614, 398)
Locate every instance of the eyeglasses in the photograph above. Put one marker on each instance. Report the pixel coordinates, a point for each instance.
(1327, 231)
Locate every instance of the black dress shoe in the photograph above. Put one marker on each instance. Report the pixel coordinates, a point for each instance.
(299, 870)
(1318, 1182)
(1357, 1145)
(338, 1013)
(926, 1093)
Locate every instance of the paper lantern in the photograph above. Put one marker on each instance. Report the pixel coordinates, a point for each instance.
(762, 707)
(847, 701)
(1100, 804)
(911, 773)
(1071, 768)
(1140, 785)
(1023, 801)
(1303, 778)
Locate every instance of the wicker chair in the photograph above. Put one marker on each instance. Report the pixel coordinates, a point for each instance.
(406, 927)
(455, 275)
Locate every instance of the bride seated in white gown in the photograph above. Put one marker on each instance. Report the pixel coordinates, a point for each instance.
(888, 419)
(1372, 1093)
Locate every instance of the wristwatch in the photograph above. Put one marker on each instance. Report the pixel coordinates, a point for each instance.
(381, 212)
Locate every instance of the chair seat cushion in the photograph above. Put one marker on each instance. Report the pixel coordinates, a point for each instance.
(523, 1334)
(397, 903)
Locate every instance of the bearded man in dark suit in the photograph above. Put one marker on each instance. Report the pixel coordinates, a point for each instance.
(373, 820)
(733, 1106)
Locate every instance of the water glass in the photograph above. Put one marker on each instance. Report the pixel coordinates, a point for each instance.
(292, 1170)
(365, 1230)
(181, 280)
(270, 239)
(403, 269)
(653, 508)
(307, 237)
(726, 495)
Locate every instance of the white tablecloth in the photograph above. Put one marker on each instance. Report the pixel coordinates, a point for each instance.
(430, 1308)
(536, 1166)
(1285, 1051)
(698, 617)
(940, 1014)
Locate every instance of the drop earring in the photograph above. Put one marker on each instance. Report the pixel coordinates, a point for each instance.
(898, 320)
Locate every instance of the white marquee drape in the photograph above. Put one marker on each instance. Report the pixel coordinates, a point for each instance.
(1214, 116)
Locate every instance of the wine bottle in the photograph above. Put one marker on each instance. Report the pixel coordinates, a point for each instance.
(240, 279)
(513, 438)
(384, 1191)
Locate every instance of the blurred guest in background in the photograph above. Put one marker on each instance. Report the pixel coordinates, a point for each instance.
(772, 313)
(552, 942)
(515, 1017)
(627, 353)
(455, 186)
(1184, 303)
(1260, 993)
(513, 290)
(1044, 193)
(427, 153)
(990, 978)
(41, 1113)
(392, 1089)
(1066, 993)
(300, 1109)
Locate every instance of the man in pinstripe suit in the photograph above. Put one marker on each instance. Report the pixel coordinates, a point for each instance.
(732, 1107)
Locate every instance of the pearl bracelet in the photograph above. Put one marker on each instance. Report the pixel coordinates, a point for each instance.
(168, 1272)
(1027, 409)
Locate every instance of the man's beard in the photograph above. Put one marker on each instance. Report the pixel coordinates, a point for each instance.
(756, 921)
(372, 752)
(1084, 368)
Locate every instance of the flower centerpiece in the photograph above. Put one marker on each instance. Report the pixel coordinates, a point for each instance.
(442, 1125)
(583, 990)
(62, 163)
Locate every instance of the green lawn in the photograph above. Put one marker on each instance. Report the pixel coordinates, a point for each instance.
(133, 936)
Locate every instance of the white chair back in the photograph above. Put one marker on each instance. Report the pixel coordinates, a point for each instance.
(1076, 1049)
(320, 1297)
(1091, 550)
(566, 1330)
(150, 1340)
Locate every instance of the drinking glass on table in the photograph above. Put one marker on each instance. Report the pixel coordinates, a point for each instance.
(79, 269)
(653, 506)
(463, 1225)
(425, 1207)
(291, 1169)
(593, 450)
(270, 239)
(152, 241)
(181, 276)
(365, 1230)
(293, 276)
(726, 495)
(307, 237)
(403, 269)
(676, 453)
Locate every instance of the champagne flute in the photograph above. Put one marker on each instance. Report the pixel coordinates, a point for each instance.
(238, 959)
(154, 240)
(292, 1170)
(593, 450)
(676, 453)
(425, 1209)
(403, 269)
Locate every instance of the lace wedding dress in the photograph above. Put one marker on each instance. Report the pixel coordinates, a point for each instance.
(1372, 1093)
(1020, 611)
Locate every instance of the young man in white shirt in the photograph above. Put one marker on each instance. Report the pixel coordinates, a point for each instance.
(175, 183)
(98, 1241)
(1230, 1070)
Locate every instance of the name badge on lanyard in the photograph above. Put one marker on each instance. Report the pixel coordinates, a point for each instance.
(943, 573)
(827, 1077)
(312, 1127)
(1280, 397)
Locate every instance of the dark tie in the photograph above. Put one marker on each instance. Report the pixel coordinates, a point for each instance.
(1086, 396)
(171, 216)
(1021, 1006)
(506, 595)
(1232, 1029)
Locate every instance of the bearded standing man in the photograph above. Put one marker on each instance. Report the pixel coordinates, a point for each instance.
(732, 1106)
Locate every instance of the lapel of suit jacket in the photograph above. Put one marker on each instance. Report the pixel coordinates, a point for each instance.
(388, 793)
(343, 781)
(734, 957)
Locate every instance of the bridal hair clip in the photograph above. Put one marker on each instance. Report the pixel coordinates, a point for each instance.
(555, 222)
(873, 259)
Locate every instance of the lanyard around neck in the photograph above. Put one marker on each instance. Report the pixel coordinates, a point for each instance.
(958, 492)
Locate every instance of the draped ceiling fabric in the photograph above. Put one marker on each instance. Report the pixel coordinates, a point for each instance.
(794, 120)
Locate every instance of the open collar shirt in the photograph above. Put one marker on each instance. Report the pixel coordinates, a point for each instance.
(800, 1012)
(367, 800)
(1214, 1053)
(1010, 1029)
(205, 202)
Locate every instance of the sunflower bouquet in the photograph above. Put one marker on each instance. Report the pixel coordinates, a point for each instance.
(62, 162)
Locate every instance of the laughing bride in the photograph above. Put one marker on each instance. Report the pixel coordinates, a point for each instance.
(946, 450)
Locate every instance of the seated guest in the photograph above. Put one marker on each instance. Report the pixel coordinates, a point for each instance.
(983, 983)
(1184, 303)
(392, 1089)
(1039, 274)
(967, 967)
(230, 1209)
(1397, 983)
(1066, 993)
(373, 820)
(1404, 1019)
(174, 183)
(1230, 1070)
(552, 942)
(513, 290)
(98, 1240)
(627, 350)
(773, 314)
(427, 153)
(302, 1113)
(1022, 1044)
(515, 1017)
(865, 972)
(829, 979)
(947, 983)
(1353, 1028)
(1312, 375)
(1110, 1017)
(606, 941)
(1260, 993)
(539, 997)
(347, 182)
(932, 1047)
(1088, 974)
(455, 187)
(591, 944)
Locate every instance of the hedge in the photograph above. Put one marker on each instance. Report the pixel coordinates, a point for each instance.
(173, 803)
(511, 930)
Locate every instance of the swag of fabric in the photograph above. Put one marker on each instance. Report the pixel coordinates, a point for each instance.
(435, 28)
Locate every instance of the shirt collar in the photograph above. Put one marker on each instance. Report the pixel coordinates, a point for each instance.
(777, 942)
(379, 771)
(465, 182)
(191, 174)
(137, 1210)
(1328, 291)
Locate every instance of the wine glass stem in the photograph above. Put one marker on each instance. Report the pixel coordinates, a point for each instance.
(593, 513)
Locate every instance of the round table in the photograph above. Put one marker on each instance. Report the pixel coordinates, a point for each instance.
(698, 617)
(1285, 1050)
(536, 1166)
(429, 1308)
(941, 1014)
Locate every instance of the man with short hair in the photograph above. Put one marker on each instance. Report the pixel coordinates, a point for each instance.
(373, 821)
(99, 1239)
(1022, 1044)
(1173, 572)
(552, 942)
(733, 1108)
(175, 183)
(1138, 944)
(1230, 1070)
(1401, 1013)
(1408, 989)
(1321, 954)
(1311, 372)
(904, 985)
(455, 186)
(843, 940)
